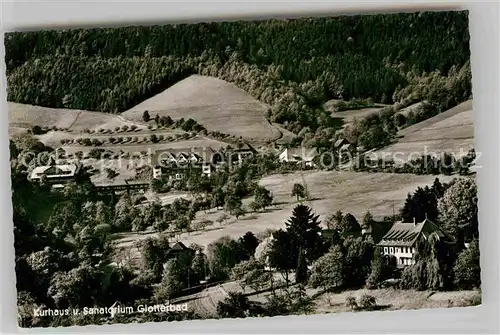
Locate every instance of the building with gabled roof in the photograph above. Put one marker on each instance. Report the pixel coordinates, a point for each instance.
(340, 142)
(179, 248)
(299, 155)
(55, 173)
(178, 160)
(401, 240)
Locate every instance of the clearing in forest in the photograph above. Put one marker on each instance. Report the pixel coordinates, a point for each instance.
(451, 131)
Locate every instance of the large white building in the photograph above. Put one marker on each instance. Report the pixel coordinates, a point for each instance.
(401, 240)
(176, 162)
(299, 155)
(55, 173)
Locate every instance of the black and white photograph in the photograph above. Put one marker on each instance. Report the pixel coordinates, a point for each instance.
(243, 169)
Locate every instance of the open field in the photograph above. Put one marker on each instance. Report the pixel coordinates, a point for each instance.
(348, 116)
(205, 302)
(451, 131)
(199, 142)
(395, 299)
(213, 103)
(26, 116)
(353, 192)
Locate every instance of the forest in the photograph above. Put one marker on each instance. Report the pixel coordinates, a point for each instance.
(293, 65)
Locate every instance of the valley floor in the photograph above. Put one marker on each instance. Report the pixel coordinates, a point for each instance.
(353, 192)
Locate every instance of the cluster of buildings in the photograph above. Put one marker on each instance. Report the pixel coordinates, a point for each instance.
(399, 242)
(175, 163)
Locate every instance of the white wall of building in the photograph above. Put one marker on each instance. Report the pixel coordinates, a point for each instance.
(404, 255)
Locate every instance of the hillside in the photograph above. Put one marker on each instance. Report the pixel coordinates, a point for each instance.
(451, 131)
(71, 124)
(74, 120)
(213, 103)
(348, 116)
(292, 65)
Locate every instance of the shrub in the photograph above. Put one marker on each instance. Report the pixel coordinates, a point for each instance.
(467, 269)
(350, 302)
(36, 130)
(125, 128)
(367, 302)
(133, 127)
(117, 128)
(150, 127)
(96, 142)
(153, 138)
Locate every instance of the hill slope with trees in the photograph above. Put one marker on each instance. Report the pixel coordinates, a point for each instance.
(292, 65)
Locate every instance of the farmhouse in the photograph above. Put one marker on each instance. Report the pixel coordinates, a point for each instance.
(299, 155)
(241, 152)
(175, 162)
(178, 249)
(55, 173)
(401, 240)
(343, 145)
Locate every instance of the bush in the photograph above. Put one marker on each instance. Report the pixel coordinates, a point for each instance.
(133, 127)
(467, 269)
(367, 302)
(125, 128)
(153, 138)
(117, 128)
(96, 142)
(350, 302)
(36, 130)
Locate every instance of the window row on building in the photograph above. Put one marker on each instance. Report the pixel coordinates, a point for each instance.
(395, 250)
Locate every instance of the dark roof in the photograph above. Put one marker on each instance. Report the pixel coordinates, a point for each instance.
(179, 246)
(340, 142)
(346, 146)
(244, 147)
(406, 234)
